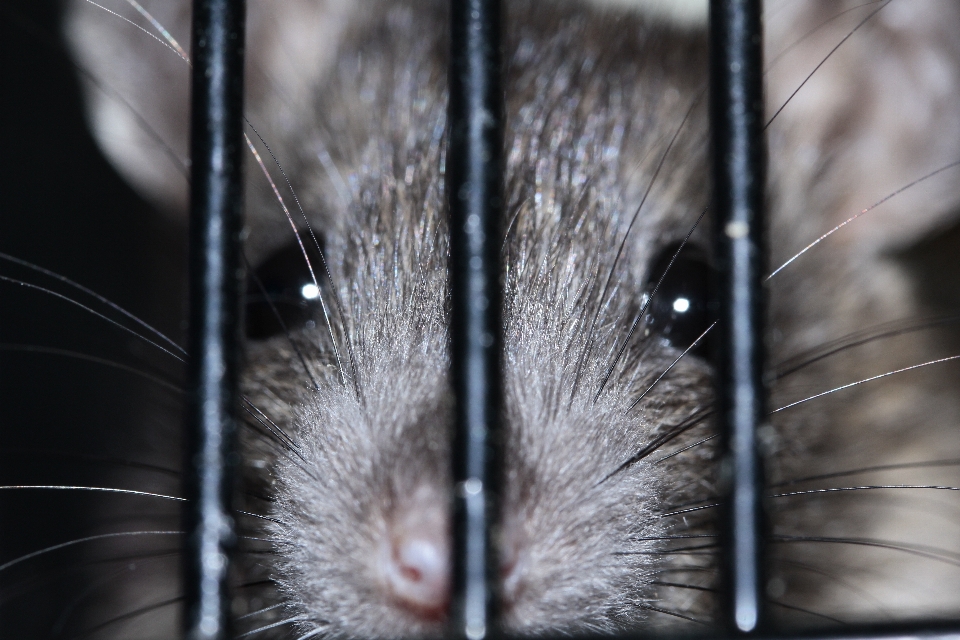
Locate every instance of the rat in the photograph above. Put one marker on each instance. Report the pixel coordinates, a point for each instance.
(607, 516)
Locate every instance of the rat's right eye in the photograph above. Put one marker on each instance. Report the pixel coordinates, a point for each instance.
(280, 294)
(679, 311)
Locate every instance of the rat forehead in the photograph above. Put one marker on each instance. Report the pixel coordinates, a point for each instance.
(594, 99)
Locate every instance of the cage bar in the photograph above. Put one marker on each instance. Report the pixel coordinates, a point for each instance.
(215, 307)
(474, 186)
(739, 178)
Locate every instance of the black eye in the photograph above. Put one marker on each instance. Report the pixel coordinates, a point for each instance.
(280, 292)
(679, 312)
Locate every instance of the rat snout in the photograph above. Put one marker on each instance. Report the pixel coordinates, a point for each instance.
(415, 560)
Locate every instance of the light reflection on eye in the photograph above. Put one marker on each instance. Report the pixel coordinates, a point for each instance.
(681, 305)
(311, 292)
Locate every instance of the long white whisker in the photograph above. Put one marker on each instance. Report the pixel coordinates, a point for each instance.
(867, 210)
(864, 488)
(313, 275)
(96, 296)
(169, 45)
(31, 348)
(129, 492)
(672, 365)
(859, 382)
(70, 543)
(339, 184)
(163, 31)
(273, 626)
(92, 311)
(259, 611)
(311, 634)
(323, 259)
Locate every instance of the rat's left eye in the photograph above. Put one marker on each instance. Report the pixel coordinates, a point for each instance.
(280, 293)
(679, 311)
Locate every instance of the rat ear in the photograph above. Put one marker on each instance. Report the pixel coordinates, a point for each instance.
(879, 113)
(137, 91)
(137, 78)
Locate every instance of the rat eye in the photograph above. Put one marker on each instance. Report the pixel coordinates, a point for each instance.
(680, 312)
(280, 292)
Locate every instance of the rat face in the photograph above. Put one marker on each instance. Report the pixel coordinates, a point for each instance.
(609, 482)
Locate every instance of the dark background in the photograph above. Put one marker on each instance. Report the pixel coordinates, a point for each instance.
(64, 420)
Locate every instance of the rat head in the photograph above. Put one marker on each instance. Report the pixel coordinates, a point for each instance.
(365, 542)
(608, 442)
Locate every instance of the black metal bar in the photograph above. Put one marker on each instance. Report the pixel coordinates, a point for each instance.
(474, 184)
(739, 175)
(215, 307)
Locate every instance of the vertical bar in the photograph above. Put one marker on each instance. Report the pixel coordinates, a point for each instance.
(474, 186)
(739, 178)
(215, 299)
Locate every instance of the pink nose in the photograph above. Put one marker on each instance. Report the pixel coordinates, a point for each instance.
(416, 565)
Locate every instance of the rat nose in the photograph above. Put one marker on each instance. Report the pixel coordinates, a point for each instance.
(416, 562)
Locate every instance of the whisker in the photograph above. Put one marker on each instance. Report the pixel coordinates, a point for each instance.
(136, 26)
(623, 244)
(41, 578)
(311, 634)
(272, 626)
(268, 433)
(695, 419)
(283, 325)
(70, 543)
(882, 467)
(686, 448)
(330, 167)
(303, 249)
(862, 212)
(678, 537)
(865, 380)
(668, 552)
(44, 37)
(91, 311)
(773, 61)
(258, 612)
(863, 488)
(93, 587)
(672, 365)
(923, 551)
(127, 616)
(255, 583)
(646, 304)
(261, 517)
(791, 365)
(99, 298)
(19, 451)
(30, 348)
(664, 570)
(323, 260)
(827, 57)
(689, 510)
(679, 585)
(881, 607)
(128, 492)
(280, 433)
(806, 611)
(163, 31)
(675, 614)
